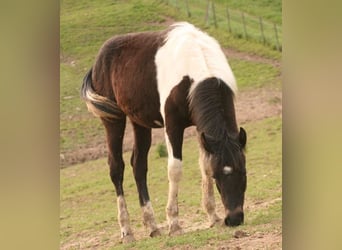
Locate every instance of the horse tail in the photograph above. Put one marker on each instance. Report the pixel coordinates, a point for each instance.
(99, 105)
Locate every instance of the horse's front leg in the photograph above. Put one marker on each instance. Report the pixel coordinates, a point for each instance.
(208, 198)
(174, 141)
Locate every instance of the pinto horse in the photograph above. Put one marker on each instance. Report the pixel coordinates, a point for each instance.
(174, 79)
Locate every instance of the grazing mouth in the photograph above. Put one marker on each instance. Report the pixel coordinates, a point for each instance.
(233, 221)
(234, 218)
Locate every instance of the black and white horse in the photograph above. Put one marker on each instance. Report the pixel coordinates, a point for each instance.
(174, 79)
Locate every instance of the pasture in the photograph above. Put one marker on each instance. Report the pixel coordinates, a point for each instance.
(88, 204)
(88, 213)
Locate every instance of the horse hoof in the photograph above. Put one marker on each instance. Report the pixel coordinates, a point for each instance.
(175, 230)
(127, 239)
(216, 222)
(155, 233)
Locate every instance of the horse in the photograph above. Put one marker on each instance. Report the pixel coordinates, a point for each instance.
(173, 78)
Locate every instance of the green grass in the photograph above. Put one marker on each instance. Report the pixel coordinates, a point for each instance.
(254, 75)
(269, 11)
(88, 204)
(161, 150)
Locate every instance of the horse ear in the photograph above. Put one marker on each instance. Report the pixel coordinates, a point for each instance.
(205, 141)
(242, 137)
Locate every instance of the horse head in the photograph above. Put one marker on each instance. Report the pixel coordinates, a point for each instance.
(228, 167)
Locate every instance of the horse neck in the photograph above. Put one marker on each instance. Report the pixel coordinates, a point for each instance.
(230, 117)
(213, 112)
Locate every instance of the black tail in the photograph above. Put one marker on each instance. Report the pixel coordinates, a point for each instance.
(99, 105)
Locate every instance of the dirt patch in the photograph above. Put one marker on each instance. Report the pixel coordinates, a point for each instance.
(258, 240)
(234, 54)
(258, 104)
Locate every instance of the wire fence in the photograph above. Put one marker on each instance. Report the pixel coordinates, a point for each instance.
(236, 22)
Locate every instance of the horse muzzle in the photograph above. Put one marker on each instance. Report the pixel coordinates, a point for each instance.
(235, 218)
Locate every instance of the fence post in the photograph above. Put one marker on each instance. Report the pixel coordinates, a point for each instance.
(262, 30)
(214, 13)
(207, 13)
(244, 25)
(187, 8)
(228, 19)
(276, 35)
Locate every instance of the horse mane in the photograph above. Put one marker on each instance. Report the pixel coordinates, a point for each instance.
(212, 109)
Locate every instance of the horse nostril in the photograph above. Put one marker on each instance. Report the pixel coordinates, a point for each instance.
(226, 221)
(234, 220)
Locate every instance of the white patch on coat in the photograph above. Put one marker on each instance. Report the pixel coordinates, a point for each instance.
(123, 217)
(174, 167)
(158, 123)
(188, 51)
(148, 216)
(227, 170)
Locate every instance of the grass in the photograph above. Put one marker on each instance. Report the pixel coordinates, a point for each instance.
(268, 9)
(161, 150)
(252, 11)
(88, 209)
(252, 74)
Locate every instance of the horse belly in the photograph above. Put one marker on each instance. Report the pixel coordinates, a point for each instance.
(141, 105)
(147, 118)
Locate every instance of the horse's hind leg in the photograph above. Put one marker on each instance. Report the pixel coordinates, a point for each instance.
(115, 132)
(142, 143)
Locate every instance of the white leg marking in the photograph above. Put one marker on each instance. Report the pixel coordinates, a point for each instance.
(149, 221)
(208, 198)
(123, 218)
(158, 123)
(174, 175)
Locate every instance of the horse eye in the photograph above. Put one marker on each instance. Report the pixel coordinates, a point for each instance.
(227, 170)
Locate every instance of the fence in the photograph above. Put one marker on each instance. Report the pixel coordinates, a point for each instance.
(238, 23)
